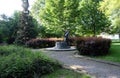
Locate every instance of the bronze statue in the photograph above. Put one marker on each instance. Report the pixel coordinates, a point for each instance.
(66, 38)
(25, 5)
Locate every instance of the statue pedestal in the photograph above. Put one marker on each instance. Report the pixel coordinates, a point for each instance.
(61, 45)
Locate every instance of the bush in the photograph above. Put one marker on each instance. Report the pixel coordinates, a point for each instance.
(48, 42)
(10, 40)
(19, 62)
(42, 43)
(93, 46)
(72, 41)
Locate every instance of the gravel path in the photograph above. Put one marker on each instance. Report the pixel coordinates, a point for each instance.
(96, 69)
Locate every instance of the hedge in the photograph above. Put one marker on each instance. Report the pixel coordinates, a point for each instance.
(40, 43)
(93, 46)
(48, 42)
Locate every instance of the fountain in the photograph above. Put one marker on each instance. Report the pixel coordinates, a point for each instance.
(62, 45)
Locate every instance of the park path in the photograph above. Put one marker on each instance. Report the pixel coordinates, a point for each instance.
(94, 68)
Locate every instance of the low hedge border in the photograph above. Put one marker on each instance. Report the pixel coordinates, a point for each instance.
(93, 46)
(40, 43)
(47, 42)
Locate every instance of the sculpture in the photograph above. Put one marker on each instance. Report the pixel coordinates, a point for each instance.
(63, 45)
(25, 5)
(66, 37)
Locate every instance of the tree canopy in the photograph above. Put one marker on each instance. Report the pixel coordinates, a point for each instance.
(79, 16)
(59, 15)
(8, 27)
(92, 19)
(112, 9)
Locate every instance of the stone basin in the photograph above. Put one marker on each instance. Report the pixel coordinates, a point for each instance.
(61, 46)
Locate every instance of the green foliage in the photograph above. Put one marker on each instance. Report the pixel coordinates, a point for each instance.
(8, 27)
(67, 74)
(1, 39)
(14, 66)
(37, 7)
(48, 33)
(57, 15)
(27, 29)
(111, 9)
(79, 16)
(93, 21)
(19, 62)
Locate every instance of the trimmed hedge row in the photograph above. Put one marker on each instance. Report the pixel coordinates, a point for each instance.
(40, 43)
(93, 46)
(19, 62)
(85, 45)
(47, 42)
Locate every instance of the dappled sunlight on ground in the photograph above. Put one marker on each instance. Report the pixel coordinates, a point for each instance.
(77, 68)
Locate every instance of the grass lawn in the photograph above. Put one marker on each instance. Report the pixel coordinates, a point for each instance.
(65, 73)
(114, 54)
(115, 40)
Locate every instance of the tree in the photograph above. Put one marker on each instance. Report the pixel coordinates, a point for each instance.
(8, 27)
(27, 29)
(112, 9)
(71, 14)
(57, 15)
(37, 7)
(93, 21)
(13, 27)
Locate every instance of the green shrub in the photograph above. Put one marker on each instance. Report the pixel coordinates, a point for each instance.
(93, 46)
(10, 40)
(14, 66)
(19, 62)
(7, 50)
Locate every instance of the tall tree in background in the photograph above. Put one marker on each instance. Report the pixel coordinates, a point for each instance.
(37, 7)
(57, 15)
(91, 18)
(26, 26)
(52, 16)
(71, 14)
(112, 9)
